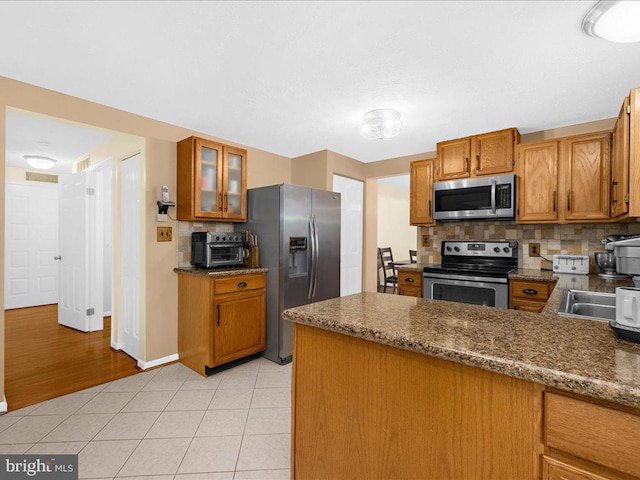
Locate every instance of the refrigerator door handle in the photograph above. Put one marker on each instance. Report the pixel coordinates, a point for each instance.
(316, 251)
(312, 269)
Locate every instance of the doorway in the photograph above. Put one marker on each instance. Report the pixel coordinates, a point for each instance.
(75, 147)
(351, 228)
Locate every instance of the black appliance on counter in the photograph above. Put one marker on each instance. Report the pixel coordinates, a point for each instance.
(216, 249)
(472, 272)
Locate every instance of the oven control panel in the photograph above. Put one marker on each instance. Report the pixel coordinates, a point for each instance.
(480, 249)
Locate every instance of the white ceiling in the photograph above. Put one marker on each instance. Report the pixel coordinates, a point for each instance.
(65, 142)
(296, 77)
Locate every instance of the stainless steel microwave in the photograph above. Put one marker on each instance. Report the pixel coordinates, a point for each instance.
(475, 199)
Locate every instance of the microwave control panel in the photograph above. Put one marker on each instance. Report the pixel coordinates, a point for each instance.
(503, 196)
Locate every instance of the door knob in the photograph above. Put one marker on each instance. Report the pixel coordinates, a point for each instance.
(57, 258)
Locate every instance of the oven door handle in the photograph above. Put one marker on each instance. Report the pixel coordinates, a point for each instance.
(493, 196)
(465, 278)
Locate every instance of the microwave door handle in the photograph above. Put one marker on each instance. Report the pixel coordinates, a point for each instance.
(493, 196)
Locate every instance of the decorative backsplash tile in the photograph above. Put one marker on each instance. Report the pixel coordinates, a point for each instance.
(185, 229)
(573, 239)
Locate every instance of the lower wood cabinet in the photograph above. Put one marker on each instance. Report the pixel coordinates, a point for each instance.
(529, 295)
(410, 283)
(589, 439)
(220, 319)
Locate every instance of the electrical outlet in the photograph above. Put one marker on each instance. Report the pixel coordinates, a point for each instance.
(534, 249)
(164, 234)
(425, 240)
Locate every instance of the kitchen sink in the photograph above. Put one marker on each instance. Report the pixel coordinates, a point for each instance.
(591, 305)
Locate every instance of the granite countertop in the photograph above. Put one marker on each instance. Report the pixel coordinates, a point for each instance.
(569, 353)
(219, 272)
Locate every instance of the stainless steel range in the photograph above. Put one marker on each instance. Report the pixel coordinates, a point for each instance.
(472, 272)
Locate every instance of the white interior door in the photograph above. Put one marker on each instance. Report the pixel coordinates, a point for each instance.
(103, 183)
(352, 193)
(79, 273)
(31, 243)
(130, 254)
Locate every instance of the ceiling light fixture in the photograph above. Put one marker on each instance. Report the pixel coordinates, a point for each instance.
(614, 21)
(40, 162)
(381, 124)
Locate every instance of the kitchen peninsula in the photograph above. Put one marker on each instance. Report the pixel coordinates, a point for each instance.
(387, 386)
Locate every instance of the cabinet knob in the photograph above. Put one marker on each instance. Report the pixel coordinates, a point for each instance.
(242, 284)
(530, 291)
(409, 280)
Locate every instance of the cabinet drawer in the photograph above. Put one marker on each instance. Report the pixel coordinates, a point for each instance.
(531, 290)
(239, 283)
(556, 470)
(410, 291)
(410, 279)
(528, 306)
(594, 432)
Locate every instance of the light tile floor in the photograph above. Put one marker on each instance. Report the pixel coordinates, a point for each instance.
(167, 424)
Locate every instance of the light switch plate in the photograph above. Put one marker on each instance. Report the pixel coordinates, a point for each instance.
(164, 234)
(575, 264)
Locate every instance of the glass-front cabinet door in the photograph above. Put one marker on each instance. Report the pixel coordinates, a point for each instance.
(235, 180)
(208, 182)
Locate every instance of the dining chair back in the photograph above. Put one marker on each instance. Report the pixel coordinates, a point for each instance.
(385, 256)
(413, 256)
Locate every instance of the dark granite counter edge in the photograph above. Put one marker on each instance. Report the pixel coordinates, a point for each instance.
(611, 391)
(223, 272)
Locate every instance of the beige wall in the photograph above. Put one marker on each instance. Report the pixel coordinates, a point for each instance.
(160, 302)
(310, 170)
(393, 221)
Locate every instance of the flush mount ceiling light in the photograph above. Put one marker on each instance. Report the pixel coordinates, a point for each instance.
(40, 162)
(381, 124)
(614, 21)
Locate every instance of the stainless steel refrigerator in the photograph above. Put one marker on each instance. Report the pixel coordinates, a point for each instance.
(298, 230)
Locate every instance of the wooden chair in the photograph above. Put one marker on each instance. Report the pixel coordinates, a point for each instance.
(413, 256)
(388, 269)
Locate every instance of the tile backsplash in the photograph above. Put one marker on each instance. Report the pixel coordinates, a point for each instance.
(573, 239)
(185, 229)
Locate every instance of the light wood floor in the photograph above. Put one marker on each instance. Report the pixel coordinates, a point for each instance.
(44, 360)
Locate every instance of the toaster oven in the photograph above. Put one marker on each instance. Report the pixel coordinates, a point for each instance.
(216, 249)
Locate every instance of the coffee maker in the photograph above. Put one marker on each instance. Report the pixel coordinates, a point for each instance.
(606, 261)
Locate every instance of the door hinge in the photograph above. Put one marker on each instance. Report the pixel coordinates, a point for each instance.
(626, 198)
(91, 191)
(91, 311)
(628, 110)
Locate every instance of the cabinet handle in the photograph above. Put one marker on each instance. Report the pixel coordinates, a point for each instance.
(530, 291)
(614, 184)
(220, 201)
(242, 284)
(468, 166)
(569, 200)
(554, 200)
(409, 280)
(477, 162)
(430, 211)
(226, 202)
(218, 321)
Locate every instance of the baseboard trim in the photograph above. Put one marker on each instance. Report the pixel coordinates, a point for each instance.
(157, 361)
(116, 346)
(3, 405)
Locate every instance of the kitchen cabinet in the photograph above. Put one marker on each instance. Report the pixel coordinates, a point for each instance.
(564, 180)
(587, 166)
(530, 295)
(409, 283)
(589, 439)
(220, 319)
(537, 174)
(421, 193)
(490, 153)
(211, 181)
(620, 162)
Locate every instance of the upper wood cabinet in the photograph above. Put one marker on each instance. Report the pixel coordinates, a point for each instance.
(537, 174)
(212, 181)
(564, 180)
(486, 154)
(587, 166)
(421, 193)
(620, 162)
